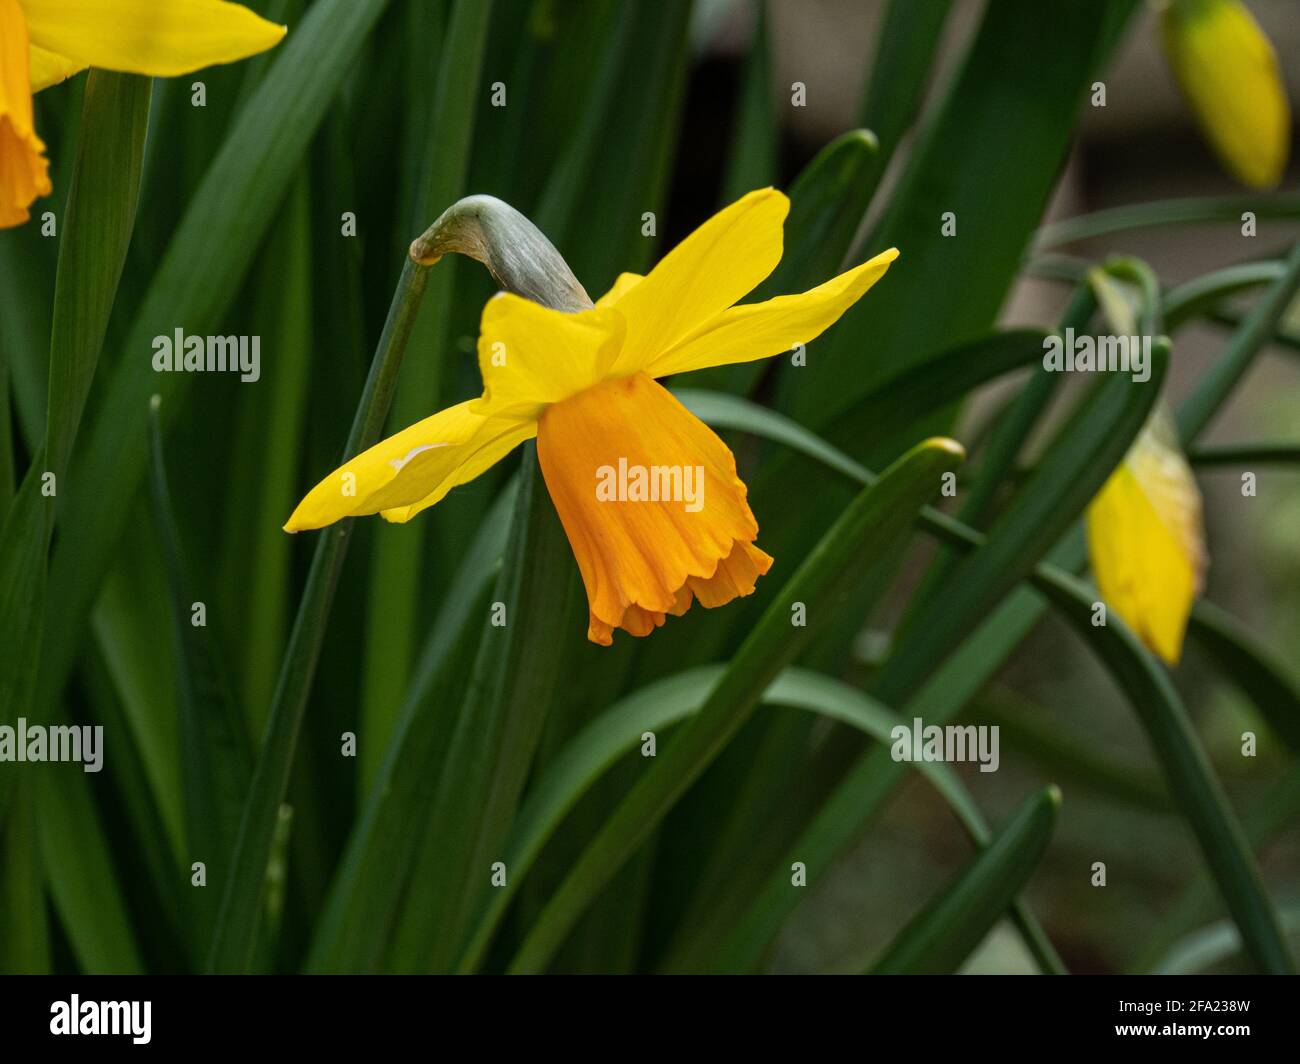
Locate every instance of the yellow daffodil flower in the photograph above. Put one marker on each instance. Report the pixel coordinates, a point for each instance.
(647, 493)
(1146, 540)
(43, 42)
(1228, 72)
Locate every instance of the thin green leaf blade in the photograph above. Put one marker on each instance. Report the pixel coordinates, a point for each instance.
(959, 627)
(97, 228)
(940, 937)
(365, 897)
(236, 928)
(1261, 676)
(24, 930)
(216, 760)
(1192, 782)
(195, 283)
(656, 708)
(987, 163)
(1214, 386)
(514, 678)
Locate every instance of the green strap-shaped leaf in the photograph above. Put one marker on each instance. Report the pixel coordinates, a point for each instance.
(236, 928)
(1207, 946)
(364, 899)
(96, 231)
(1074, 467)
(216, 760)
(195, 284)
(25, 325)
(944, 933)
(1191, 780)
(1252, 667)
(1011, 431)
(1266, 817)
(627, 175)
(96, 228)
(514, 677)
(1214, 456)
(285, 303)
(1285, 337)
(990, 159)
(752, 154)
(885, 412)
(655, 708)
(8, 475)
(906, 47)
(1080, 458)
(81, 874)
(154, 879)
(1193, 210)
(1203, 294)
(566, 184)
(1218, 382)
(1192, 783)
(876, 522)
(24, 930)
(906, 399)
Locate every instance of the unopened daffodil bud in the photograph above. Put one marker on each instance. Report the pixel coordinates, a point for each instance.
(1229, 74)
(1146, 540)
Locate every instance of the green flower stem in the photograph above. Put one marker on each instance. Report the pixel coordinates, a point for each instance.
(1217, 383)
(236, 929)
(1244, 454)
(948, 929)
(397, 554)
(1197, 210)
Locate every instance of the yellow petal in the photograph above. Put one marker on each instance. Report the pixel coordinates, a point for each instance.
(718, 264)
(412, 470)
(158, 37)
(50, 69)
(624, 284)
(530, 355)
(651, 504)
(1228, 72)
(1146, 541)
(24, 170)
(757, 330)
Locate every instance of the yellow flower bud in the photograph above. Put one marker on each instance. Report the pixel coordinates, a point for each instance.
(1228, 72)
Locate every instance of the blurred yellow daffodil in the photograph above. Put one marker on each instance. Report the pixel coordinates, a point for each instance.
(1228, 72)
(648, 495)
(1146, 540)
(43, 42)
